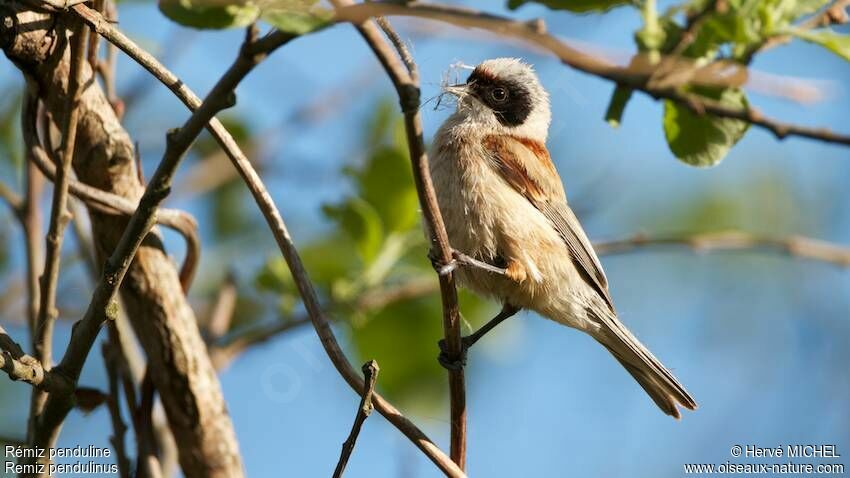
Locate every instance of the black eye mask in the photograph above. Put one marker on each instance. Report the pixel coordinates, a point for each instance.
(509, 100)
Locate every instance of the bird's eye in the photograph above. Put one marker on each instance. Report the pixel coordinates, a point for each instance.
(499, 94)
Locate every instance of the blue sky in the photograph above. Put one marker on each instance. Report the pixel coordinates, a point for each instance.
(760, 340)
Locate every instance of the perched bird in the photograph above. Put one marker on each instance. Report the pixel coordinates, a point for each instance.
(503, 204)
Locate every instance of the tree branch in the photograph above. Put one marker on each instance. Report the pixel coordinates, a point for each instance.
(15, 202)
(119, 428)
(42, 335)
(631, 77)
(370, 375)
(102, 307)
(403, 72)
(281, 234)
(20, 366)
(161, 315)
(109, 203)
(795, 246)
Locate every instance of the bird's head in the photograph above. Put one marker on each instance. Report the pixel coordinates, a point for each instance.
(503, 96)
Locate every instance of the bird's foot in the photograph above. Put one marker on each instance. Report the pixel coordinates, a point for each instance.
(442, 268)
(448, 363)
(461, 259)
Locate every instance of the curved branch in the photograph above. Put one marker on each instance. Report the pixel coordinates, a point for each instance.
(634, 78)
(108, 203)
(278, 227)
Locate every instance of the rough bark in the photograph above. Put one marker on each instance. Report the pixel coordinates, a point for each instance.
(158, 310)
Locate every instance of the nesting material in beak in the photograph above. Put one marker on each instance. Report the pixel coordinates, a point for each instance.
(458, 91)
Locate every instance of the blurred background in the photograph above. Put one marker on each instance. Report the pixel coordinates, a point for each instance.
(759, 339)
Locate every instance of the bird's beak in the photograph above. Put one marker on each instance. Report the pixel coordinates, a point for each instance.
(458, 90)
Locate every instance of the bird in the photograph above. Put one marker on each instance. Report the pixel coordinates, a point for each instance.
(505, 211)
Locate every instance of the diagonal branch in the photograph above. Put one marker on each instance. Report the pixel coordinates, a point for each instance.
(279, 230)
(636, 79)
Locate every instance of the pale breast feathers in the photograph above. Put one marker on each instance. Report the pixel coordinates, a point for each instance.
(525, 165)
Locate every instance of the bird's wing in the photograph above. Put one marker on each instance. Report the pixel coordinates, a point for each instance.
(525, 165)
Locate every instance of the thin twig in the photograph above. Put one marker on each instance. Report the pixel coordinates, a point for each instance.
(370, 376)
(20, 366)
(31, 222)
(42, 334)
(222, 310)
(147, 465)
(119, 428)
(279, 230)
(15, 202)
(834, 13)
(634, 78)
(795, 246)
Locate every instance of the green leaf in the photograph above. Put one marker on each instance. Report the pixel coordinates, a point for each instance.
(386, 182)
(11, 149)
(298, 17)
(228, 211)
(405, 334)
(328, 259)
(203, 14)
(832, 41)
(705, 140)
(577, 6)
(237, 126)
(361, 222)
(4, 253)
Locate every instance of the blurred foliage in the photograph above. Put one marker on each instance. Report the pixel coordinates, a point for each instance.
(236, 126)
(578, 6)
(732, 30)
(834, 42)
(229, 200)
(11, 149)
(292, 16)
(760, 203)
(376, 245)
(4, 246)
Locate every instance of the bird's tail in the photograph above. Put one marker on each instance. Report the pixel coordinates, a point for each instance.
(658, 382)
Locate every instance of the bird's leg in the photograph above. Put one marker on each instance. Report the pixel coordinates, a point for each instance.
(468, 341)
